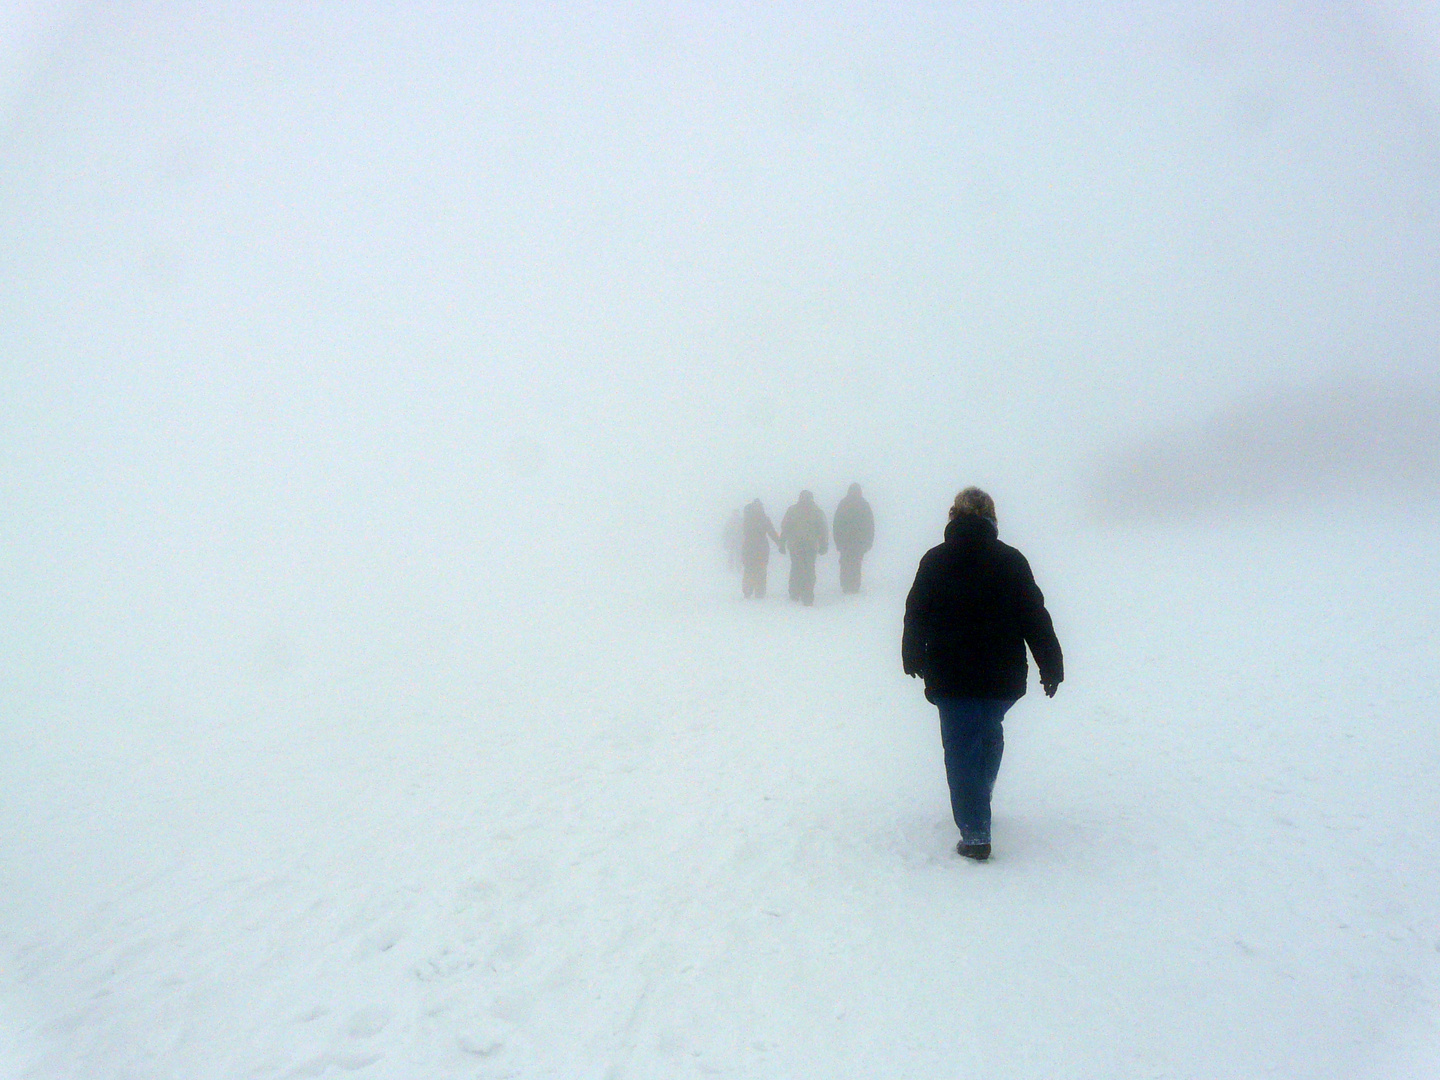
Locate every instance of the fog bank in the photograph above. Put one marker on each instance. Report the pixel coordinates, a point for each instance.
(1350, 447)
(339, 314)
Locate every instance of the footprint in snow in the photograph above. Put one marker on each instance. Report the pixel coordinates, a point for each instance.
(318, 1066)
(368, 1022)
(380, 940)
(481, 1045)
(514, 948)
(485, 1038)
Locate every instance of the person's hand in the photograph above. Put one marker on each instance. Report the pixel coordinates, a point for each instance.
(1050, 688)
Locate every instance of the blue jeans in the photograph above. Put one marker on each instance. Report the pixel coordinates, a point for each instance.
(971, 731)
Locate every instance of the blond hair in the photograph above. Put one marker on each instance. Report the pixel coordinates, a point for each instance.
(973, 501)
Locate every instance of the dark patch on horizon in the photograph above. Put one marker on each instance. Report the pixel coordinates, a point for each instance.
(1358, 438)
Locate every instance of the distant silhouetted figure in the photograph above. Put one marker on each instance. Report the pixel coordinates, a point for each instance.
(759, 530)
(804, 535)
(734, 539)
(854, 530)
(971, 612)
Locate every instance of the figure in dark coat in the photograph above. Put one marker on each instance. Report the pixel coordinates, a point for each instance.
(804, 534)
(973, 609)
(759, 530)
(853, 528)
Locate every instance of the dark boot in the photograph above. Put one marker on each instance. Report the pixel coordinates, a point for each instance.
(978, 852)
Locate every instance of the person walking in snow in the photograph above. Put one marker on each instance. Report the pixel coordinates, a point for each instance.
(853, 528)
(973, 609)
(758, 531)
(804, 534)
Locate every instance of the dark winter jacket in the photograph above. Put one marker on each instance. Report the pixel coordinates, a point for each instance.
(853, 526)
(803, 531)
(971, 612)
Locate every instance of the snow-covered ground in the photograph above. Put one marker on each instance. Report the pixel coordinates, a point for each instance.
(631, 826)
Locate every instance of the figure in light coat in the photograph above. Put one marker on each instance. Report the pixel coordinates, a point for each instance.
(759, 530)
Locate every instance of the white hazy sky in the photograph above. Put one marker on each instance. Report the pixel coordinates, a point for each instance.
(689, 230)
(304, 290)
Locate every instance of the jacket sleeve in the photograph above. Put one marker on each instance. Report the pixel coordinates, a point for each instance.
(915, 640)
(1039, 629)
(867, 528)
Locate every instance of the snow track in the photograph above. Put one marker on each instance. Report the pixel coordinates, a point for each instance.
(685, 836)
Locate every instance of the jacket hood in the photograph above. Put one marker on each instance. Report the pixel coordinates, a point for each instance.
(965, 526)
